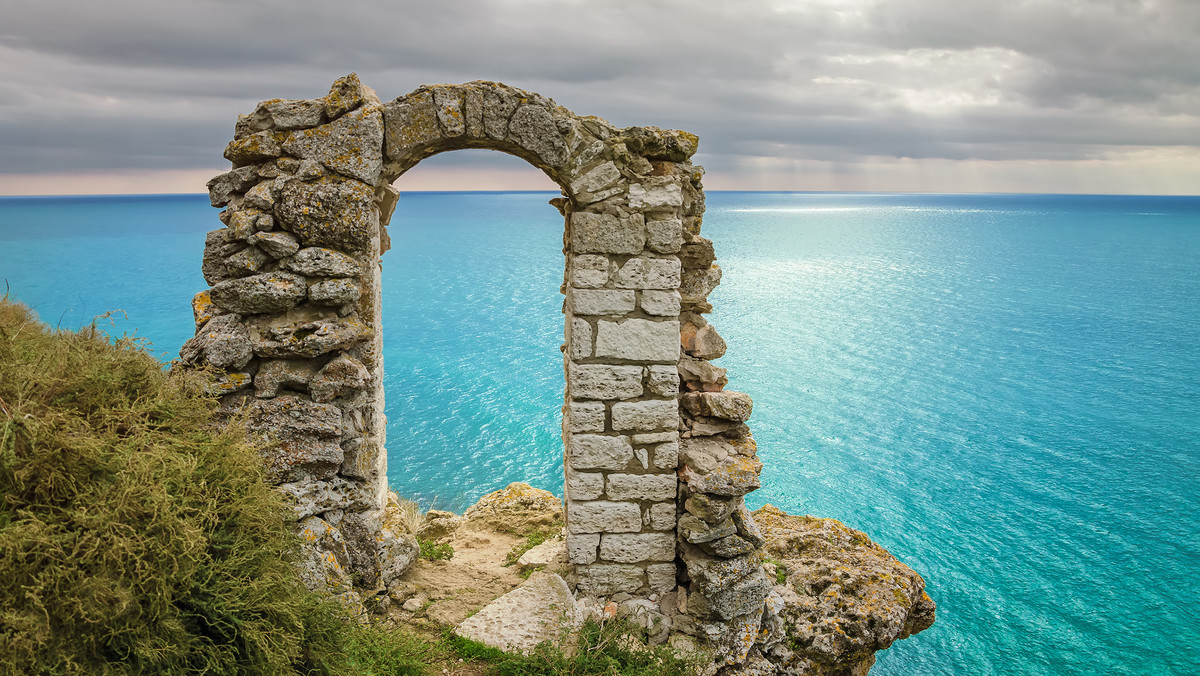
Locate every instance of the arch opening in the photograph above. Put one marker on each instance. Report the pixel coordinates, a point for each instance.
(471, 331)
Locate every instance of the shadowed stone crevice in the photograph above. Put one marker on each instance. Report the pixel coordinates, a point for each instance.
(657, 456)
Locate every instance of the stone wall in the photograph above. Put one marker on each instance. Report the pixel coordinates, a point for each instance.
(657, 455)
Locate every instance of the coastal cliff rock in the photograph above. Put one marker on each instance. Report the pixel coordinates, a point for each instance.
(843, 597)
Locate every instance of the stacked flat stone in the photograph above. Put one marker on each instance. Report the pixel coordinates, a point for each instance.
(292, 317)
(725, 596)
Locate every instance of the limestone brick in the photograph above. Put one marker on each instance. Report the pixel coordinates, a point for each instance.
(590, 271)
(662, 515)
(582, 547)
(602, 579)
(584, 485)
(638, 340)
(581, 339)
(605, 233)
(641, 486)
(601, 301)
(592, 451)
(603, 516)
(649, 273)
(637, 547)
(585, 416)
(649, 415)
(604, 381)
(661, 303)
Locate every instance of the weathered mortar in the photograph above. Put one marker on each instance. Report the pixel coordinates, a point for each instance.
(657, 457)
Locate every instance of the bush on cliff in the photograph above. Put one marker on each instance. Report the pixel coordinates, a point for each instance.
(135, 537)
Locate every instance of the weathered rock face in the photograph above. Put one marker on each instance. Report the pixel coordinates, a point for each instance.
(844, 597)
(658, 456)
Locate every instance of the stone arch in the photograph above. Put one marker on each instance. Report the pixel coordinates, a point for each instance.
(656, 455)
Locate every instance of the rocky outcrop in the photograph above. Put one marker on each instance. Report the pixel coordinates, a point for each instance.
(843, 597)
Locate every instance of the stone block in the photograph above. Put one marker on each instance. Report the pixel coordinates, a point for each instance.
(666, 456)
(605, 233)
(649, 273)
(705, 454)
(260, 197)
(649, 415)
(268, 292)
(582, 547)
(642, 486)
(726, 405)
(322, 262)
(352, 145)
(589, 271)
(601, 302)
(585, 416)
(410, 125)
(246, 262)
(700, 340)
(540, 610)
(534, 129)
(274, 374)
(728, 547)
(604, 381)
(696, 531)
(581, 339)
(650, 438)
(330, 212)
(584, 485)
(305, 334)
(700, 374)
(711, 508)
(697, 253)
(638, 340)
(593, 451)
(341, 374)
(346, 94)
(662, 380)
(657, 192)
(276, 244)
(448, 103)
(696, 284)
(637, 547)
(222, 342)
(664, 235)
(362, 458)
(661, 303)
(605, 579)
(735, 477)
(661, 577)
(336, 292)
(663, 515)
(597, 180)
(253, 149)
(602, 516)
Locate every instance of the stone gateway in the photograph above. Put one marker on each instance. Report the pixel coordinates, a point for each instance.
(657, 455)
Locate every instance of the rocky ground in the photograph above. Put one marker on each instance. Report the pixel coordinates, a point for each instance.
(840, 596)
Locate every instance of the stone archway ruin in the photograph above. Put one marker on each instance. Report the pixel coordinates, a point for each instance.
(657, 457)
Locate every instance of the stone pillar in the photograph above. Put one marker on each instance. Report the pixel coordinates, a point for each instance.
(293, 315)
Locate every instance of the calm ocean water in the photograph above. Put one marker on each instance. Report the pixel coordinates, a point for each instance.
(1003, 390)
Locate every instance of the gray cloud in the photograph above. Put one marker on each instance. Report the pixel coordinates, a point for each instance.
(148, 84)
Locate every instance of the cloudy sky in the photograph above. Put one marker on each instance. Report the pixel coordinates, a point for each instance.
(1089, 96)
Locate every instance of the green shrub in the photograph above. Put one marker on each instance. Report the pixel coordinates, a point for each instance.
(135, 537)
(432, 551)
(532, 540)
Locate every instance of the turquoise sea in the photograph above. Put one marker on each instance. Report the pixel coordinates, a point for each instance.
(1003, 390)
